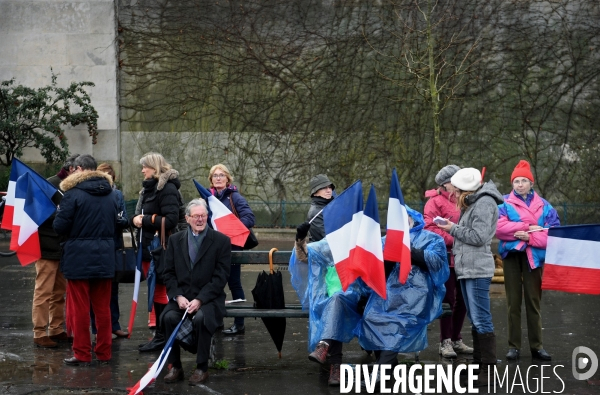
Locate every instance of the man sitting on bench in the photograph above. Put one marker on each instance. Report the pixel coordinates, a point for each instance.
(196, 268)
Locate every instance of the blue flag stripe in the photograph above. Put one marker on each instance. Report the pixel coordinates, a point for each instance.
(19, 168)
(371, 207)
(37, 205)
(395, 190)
(580, 232)
(340, 211)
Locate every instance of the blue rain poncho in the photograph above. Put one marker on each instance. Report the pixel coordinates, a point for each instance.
(398, 323)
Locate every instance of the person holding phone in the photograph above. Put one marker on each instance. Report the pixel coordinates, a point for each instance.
(524, 218)
(439, 209)
(473, 260)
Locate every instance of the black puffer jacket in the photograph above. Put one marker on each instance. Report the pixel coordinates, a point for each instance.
(88, 217)
(161, 197)
(317, 227)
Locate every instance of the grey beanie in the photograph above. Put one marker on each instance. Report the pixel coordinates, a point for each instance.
(443, 176)
(318, 182)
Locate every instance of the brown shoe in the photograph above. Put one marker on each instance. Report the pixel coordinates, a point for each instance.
(174, 375)
(44, 342)
(198, 377)
(120, 333)
(62, 337)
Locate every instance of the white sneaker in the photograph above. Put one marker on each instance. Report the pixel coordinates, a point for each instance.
(461, 347)
(446, 349)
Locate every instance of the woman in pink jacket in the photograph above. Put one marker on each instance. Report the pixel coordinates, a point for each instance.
(443, 204)
(523, 220)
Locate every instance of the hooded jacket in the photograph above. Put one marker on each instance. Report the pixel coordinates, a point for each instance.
(242, 208)
(515, 215)
(473, 234)
(439, 204)
(87, 216)
(159, 198)
(317, 227)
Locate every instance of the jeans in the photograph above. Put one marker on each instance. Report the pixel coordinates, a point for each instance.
(450, 327)
(476, 293)
(235, 286)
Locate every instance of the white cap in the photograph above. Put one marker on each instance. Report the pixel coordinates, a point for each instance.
(467, 179)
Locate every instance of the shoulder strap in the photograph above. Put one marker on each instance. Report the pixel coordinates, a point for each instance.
(233, 210)
(162, 234)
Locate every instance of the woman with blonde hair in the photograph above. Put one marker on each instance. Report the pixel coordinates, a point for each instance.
(159, 200)
(473, 260)
(221, 186)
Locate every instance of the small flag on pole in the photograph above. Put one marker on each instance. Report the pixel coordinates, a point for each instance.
(222, 219)
(136, 286)
(17, 169)
(368, 255)
(155, 369)
(32, 206)
(572, 263)
(342, 218)
(397, 239)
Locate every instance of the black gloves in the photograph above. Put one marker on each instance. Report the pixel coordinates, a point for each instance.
(302, 231)
(417, 258)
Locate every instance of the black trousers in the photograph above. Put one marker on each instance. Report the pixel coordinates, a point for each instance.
(171, 319)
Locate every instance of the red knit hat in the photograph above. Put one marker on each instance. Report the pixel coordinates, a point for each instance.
(522, 170)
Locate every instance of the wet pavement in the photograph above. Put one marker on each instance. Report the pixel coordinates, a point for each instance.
(252, 365)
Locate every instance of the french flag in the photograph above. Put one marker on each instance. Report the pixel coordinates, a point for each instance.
(223, 219)
(136, 285)
(397, 239)
(342, 218)
(32, 205)
(157, 366)
(368, 255)
(17, 169)
(572, 263)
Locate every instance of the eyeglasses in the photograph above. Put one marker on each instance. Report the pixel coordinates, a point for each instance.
(197, 217)
(219, 176)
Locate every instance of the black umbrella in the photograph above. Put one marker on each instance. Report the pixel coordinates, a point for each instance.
(268, 294)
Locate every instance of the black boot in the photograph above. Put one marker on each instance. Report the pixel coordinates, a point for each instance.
(487, 344)
(158, 341)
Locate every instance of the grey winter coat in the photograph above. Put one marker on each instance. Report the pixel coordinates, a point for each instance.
(473, 234)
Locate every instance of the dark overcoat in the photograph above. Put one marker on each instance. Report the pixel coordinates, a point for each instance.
(87, 216)
(206, 281)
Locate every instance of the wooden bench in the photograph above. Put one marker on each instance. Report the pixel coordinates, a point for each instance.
(280, 258)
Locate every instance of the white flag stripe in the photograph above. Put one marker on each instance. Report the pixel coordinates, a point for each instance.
(344, 239)
(573, 252)
(395, 222)
(366, 240)
(10, 193)
(24, 221)
(218, 208)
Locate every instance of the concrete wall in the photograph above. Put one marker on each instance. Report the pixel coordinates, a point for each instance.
(77, 40)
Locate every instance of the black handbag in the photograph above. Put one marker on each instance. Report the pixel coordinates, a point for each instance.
(251, 241)
(126, 262)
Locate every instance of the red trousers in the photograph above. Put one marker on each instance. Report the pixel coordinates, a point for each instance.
(80, 294)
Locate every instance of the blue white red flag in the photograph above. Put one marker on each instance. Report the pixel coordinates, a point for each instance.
(222, 219)
(368, 255)
(342, 218)
(572, 263)
(17, 169)
(397, 239)
(31, 207)
(155, 369)
(136, 284)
